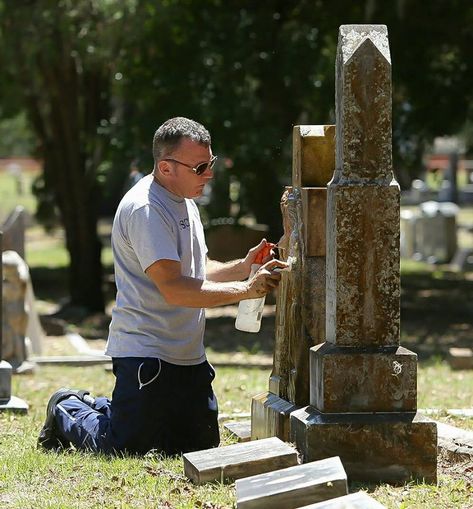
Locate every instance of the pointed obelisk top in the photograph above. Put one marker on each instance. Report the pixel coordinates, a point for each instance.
(363, 106)
(351, 36)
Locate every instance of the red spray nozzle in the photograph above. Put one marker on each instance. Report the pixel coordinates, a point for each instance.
(265, 252)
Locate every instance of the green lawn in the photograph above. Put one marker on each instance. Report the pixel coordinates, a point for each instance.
(9, 197)
(34, 479)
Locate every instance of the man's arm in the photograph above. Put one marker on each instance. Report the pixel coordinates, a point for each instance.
(236, 270)
(179, 290)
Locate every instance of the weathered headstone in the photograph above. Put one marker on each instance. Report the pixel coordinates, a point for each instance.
(7, 401)
(15, 319)
(239, 460)
(294, 486)
(14, 231)
(363, 384)
(300, 307)
(460, 358)
(241, 430)
(436, 231)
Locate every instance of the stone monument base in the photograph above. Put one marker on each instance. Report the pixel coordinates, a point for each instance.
(15, 405)
(393, 447)
(270, 416)
(7, 401)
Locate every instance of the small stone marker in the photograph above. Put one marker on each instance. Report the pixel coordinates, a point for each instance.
(358, 500)
(460, 358)
(240, 429)
(238, 460)
(8, 402)
(294, 486)
(457, 443)
(72, 360)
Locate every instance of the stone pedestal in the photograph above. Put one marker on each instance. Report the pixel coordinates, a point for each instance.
(363, 379)
(384, 447)
(5, 380)
(7, 401)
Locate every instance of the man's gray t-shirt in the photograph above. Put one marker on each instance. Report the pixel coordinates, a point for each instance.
(153, 224)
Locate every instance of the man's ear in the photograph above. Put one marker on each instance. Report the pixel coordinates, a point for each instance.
(164, 168)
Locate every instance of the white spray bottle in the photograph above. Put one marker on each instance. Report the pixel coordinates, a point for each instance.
(250, 311)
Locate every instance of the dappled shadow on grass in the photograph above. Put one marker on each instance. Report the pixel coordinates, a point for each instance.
(221, 336)
(436, 312)
(51, 285)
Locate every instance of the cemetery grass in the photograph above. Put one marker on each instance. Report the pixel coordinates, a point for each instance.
(30, 478)
(436, 313)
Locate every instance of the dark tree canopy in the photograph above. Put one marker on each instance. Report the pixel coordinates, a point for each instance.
(96, 78)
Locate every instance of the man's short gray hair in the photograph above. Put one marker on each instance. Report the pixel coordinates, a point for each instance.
(167, 138)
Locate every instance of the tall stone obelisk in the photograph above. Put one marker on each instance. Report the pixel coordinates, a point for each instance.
(363, 395)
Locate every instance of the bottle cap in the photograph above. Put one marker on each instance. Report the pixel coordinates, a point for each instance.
(264, 252)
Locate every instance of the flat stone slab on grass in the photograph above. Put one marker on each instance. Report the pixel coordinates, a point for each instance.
(72, 360)
(15, 405)
(293, 487)
(239, 460)
(240, 429)
(456, 442)
(358, 500)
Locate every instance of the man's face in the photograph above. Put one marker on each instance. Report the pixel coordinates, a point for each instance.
(181, 179)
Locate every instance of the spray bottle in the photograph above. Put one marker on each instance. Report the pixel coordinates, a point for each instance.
(250, 311)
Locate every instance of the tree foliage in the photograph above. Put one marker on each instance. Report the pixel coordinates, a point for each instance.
(96, 78)
(59, 57)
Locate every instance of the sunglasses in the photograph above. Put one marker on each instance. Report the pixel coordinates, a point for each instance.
(199, 169)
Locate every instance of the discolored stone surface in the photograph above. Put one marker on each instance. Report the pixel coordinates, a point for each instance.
(314, 207)
(270, 416)
(363, 380)
(359, 500)
(287, 303)
(313, 160)
(235, 461)
(386, 447)
(363, 197)
(363, 275)
(301, 293)
(363, 106)
(313, 300)
(241, 430)
(292, 487)
(363, 385)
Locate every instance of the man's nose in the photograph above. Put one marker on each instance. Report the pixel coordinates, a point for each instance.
(208, 173)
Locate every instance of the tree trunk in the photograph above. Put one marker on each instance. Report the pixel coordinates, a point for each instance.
(76, 101)
(84, 246)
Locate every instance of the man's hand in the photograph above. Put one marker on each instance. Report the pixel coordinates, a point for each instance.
(249, 259)
(265, 279)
